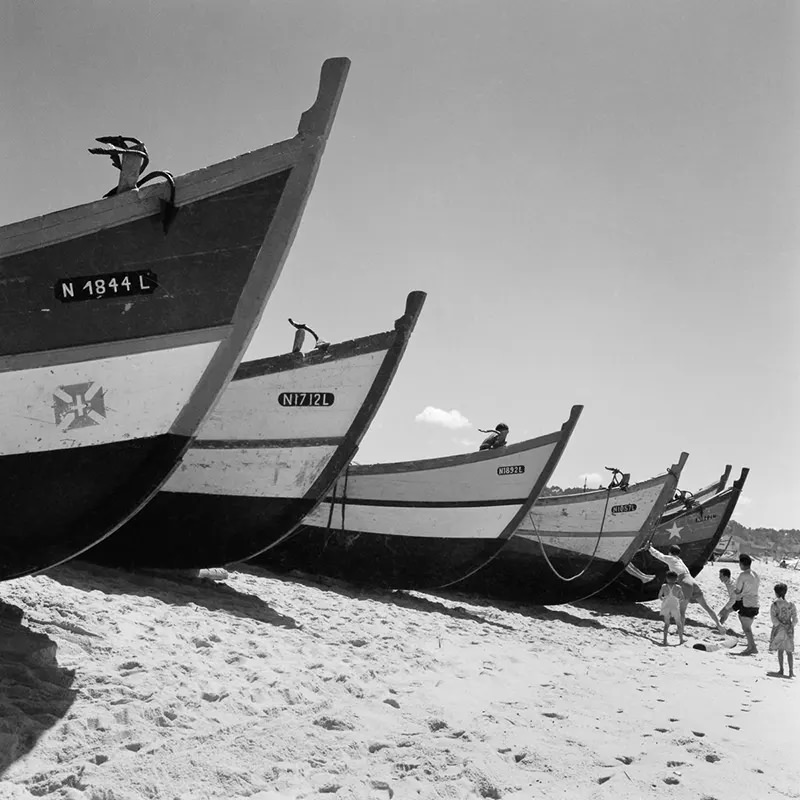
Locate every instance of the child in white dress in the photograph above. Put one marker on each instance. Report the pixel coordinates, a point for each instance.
(671, 596)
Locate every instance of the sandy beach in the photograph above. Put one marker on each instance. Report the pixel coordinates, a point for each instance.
(116, 686)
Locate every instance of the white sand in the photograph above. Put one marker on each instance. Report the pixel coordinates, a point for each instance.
(116, 687)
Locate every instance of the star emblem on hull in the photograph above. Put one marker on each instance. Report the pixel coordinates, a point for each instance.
(675, 531)
(79, 405)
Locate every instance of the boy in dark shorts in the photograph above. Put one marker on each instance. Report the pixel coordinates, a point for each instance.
(746, 594)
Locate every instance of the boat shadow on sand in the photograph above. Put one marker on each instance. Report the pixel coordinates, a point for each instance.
(35, 692)
(563, 613)
(396, 597)
(177, 589)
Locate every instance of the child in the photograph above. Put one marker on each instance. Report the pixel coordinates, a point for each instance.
(671, 596)
(690, 589)
(784, 618)
(725, 577)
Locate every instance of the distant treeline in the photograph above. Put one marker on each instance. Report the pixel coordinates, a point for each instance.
(778, 543)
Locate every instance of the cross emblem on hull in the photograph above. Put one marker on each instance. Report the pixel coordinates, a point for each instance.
(79, 405)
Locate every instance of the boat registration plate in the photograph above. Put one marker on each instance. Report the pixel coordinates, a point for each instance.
(516, 469)
(103, 287)
(623, 509)
(297, 399)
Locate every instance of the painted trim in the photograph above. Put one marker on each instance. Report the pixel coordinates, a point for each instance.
(95, 352)
(264, 444)
(350, 502)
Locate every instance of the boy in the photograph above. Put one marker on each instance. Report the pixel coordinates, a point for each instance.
(671, 596)
(725, 577)
(746, 595)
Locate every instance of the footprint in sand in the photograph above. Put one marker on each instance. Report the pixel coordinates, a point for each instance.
(625, 759)
(662, 730)
(734, 727)
(675, 763)
(712, 758)
(553, 715)
(671, 780)
(674, 719)
(698, 733)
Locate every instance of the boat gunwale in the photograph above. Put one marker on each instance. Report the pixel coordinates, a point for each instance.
(290, 362)
(701, 494)
(462, 459)
(598, 494)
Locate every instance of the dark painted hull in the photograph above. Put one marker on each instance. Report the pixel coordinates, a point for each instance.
(195, 531)
(201, 266)
(701, 530)
(378, 560)
(521, 573)
(71, 495)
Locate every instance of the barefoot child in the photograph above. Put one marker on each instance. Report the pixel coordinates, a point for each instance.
(725, 577)
(692, 593)
(746, 594)
(671, 596)
(784, 618)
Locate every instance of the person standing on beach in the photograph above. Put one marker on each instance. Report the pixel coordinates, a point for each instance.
(784, 618)
(671, 597)
(725, 577)
(746, 594)
(692, 593)
(496, 438)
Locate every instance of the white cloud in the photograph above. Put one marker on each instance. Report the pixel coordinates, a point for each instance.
(447, 419)
(592, 479)
(740, 504)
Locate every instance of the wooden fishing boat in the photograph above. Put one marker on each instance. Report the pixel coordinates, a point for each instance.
(124, 319)
(282, 432)
(570, 546)
(684, 499)
(696, 528)
(422, 524)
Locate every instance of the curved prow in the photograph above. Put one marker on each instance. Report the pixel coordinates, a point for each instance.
(317, 121)
(414, 303)
(723, 479)
(667, 492)
(738, 484)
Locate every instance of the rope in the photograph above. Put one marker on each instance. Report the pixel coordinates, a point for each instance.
(344, 494)
(594, 552)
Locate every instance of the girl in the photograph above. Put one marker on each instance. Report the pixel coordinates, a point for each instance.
(671, 596)
(784, 618)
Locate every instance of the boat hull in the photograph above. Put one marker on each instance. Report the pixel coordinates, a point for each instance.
(696, 530)
(403, 525)
(569, 547)
(272, 447)
(119, 335)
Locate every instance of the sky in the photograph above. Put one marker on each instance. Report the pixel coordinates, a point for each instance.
(599, 197)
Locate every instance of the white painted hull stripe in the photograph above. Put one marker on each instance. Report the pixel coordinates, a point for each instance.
(98, 402)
